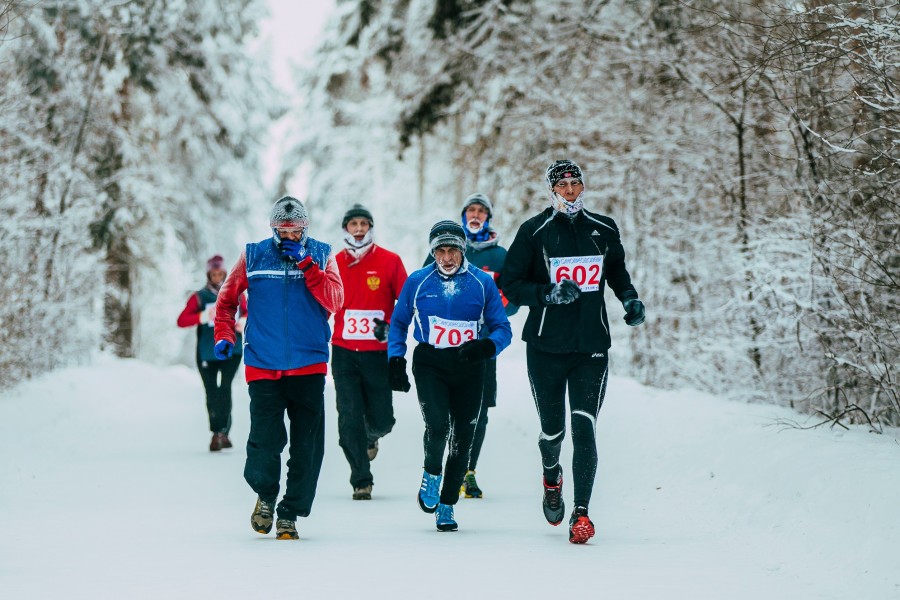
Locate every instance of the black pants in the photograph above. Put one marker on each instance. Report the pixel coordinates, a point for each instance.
(303, 398)
(218, 390)
(450, 399)
(488, 399)
(364, 404)
(585, 376)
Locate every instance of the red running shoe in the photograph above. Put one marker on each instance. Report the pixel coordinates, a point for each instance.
(581, 529)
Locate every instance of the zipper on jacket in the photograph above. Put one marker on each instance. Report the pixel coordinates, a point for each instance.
(285, 320)
(541, 326)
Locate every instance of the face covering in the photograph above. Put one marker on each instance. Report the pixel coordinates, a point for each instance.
(358, 248)
(477, 235)
(560, 204)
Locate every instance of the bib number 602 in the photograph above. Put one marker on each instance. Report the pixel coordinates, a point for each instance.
(586, 271)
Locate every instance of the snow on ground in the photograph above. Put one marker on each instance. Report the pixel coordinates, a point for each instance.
(109, 491)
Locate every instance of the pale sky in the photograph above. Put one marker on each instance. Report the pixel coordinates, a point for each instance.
(292, 31)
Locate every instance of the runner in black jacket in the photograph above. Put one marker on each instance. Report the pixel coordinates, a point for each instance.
(558, 266)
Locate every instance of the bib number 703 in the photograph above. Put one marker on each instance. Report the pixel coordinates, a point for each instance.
(443, 333)
(586, 271)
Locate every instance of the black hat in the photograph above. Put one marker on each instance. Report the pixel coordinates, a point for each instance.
(447, 233)
(562, 169)
(479, 198)
(357, 210)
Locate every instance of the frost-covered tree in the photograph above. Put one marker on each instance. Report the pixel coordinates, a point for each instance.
(131, 146)
(747, 151)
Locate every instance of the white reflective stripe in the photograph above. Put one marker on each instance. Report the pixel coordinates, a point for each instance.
(592, 419)
(550, 218)
(294, 272)
(415, 306)
(590, 218)
(546, 437)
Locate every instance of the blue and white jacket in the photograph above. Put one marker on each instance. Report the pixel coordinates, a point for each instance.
(470, 294)
(290, 328)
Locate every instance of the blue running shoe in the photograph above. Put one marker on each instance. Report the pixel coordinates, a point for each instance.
(429, 492)
(443, 518)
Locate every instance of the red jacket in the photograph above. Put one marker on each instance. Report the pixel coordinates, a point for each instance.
(190, 316)
(371, 284)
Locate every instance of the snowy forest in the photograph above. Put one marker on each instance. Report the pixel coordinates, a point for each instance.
(748, 152)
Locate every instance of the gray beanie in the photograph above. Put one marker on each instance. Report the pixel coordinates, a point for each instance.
(479, 198)
(288, 212)
(447, 233)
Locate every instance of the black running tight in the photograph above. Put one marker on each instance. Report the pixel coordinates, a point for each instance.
(585, 377)
(450, 399)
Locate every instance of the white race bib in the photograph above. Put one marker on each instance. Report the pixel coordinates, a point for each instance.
(449, 334)
(583, 270)
(360, 324)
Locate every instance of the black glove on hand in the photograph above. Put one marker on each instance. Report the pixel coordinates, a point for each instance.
(476, 351)
(381, 330)
(634, 311)
(397, 374)
(564, 292)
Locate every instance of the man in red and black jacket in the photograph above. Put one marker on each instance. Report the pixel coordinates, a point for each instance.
(293, 286)
(372, 278)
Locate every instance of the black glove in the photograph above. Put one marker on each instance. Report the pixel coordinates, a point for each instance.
(476, 351)
(634, 311)
(564, 292)
(382, 328)
(397, 374)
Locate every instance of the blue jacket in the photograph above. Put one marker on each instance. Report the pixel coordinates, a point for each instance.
(470, 294)
(289, 329)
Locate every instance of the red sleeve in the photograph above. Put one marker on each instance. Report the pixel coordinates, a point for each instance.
(242, 304)
(190, 316)
(326, 286)
(229, 298)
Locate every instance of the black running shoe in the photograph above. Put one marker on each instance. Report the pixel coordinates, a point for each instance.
(581, 529)
(554, 507)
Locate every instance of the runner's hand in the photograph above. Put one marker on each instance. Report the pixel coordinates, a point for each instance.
(382, 328)
(397, 374)
(223, 349)
(475, 351)
(634, 311)
(564, 292)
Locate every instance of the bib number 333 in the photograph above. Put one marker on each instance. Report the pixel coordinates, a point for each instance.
(448, 334)
(583, 270)
(360, 324)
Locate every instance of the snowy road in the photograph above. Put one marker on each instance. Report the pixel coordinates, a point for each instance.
(108, 491)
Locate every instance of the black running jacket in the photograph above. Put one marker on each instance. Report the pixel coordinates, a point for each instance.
(581, 326)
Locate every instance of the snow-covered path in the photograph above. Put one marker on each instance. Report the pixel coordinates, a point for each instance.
(108, 491)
